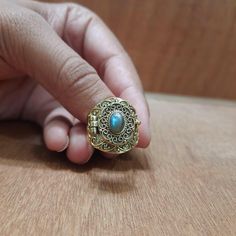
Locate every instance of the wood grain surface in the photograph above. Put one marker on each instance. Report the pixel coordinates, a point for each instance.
(184, 46)
(183, 184)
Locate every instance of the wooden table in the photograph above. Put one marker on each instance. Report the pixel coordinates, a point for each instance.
(183, 184)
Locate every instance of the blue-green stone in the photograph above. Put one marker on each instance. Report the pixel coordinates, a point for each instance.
(117, 122)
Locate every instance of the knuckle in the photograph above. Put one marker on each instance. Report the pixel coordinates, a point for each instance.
(91, 16)
(85, 86)
(85, 12)
(76, 77)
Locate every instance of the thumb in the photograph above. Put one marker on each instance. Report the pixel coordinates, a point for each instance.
(30, 45)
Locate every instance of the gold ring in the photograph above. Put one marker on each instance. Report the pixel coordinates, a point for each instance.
(113, 126)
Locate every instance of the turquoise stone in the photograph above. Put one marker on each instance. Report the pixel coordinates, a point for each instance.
(117, 122)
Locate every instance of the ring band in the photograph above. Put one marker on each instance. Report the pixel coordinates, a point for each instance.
(113, 126)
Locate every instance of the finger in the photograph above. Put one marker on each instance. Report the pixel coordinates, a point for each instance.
(32, 46)
(56, 122)
(55, 135)
(101, 48)
(56, 129)
(123, 85)
(79, 150)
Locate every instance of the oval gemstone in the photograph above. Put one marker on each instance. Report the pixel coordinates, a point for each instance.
(116, 122)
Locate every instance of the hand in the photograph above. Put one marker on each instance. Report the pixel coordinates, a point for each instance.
(57, 61)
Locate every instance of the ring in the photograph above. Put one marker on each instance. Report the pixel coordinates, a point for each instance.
(113, 126)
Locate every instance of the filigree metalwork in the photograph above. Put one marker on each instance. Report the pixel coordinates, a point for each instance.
(99, 131)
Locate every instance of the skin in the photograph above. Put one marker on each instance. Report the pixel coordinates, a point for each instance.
(57, 61)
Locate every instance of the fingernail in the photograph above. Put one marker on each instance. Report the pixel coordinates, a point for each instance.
(66, 146)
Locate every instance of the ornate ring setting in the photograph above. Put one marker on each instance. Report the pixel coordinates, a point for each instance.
(113, 126)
